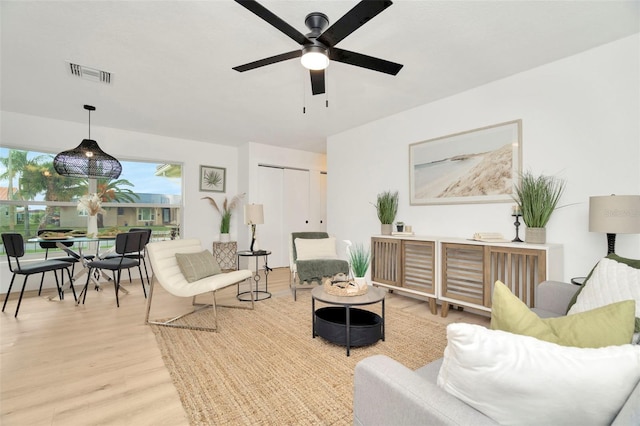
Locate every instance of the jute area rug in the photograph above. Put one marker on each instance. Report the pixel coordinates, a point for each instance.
(263, 366)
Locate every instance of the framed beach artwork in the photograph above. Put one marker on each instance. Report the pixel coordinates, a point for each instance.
(477, 166)
(213, 179)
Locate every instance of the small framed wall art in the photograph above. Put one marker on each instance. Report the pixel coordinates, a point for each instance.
(477, 166)
(213, 179)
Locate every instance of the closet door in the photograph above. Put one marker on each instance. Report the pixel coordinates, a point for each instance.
(318, 201)
(296, 201)
(270, 235)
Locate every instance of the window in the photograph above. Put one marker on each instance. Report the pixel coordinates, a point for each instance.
(34, 196)
(146, 214)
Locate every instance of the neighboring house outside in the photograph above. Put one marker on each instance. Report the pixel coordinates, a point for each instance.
(145, 212)
(5, 210)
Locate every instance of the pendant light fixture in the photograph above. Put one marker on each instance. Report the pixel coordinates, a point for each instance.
(87, 160)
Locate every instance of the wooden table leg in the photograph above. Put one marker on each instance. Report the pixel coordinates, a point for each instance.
(445, 309)
(433, 307)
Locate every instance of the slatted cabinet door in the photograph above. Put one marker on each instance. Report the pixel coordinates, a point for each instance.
(419, 265)
(519, 269)
(462, 274)
(386, 261)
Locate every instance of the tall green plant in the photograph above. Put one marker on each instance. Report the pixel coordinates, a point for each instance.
(537, 198)
(387, 206)
(225, 211)
(359, 258)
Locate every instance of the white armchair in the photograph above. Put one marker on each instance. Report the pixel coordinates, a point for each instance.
(167, 272)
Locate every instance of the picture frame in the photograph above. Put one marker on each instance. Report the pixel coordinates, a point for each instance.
(482, 165)
(213, 179)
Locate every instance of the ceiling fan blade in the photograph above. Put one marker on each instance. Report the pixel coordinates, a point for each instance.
(275, 21)
(352, 20)
(364, 61)
(317, 81)
(268, 61)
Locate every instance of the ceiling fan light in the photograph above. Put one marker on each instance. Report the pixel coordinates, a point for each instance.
(314, 58)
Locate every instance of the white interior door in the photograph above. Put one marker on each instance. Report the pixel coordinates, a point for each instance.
(270, 234)
(293, 200)
(322, 196)
(296, 201)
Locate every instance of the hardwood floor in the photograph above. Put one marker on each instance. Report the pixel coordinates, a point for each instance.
(96, 364)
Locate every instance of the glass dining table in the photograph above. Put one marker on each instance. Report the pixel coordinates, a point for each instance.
(76, 251)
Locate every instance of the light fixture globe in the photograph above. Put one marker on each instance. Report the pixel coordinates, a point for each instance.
(87, 160)
(314, 57)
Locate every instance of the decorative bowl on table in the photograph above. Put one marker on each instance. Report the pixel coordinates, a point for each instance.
(77, 233)
(109, 233)
(340, 285)
(51, 235)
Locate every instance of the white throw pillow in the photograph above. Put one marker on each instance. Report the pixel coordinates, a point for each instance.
(520, 380)
(316, 248)
(609, 282)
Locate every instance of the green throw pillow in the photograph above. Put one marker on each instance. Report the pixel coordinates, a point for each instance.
(195, 266)
(606, 326)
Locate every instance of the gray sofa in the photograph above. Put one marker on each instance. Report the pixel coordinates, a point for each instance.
(388, 393)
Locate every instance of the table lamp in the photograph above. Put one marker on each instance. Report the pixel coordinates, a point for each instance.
(614, 214)
(253, 215)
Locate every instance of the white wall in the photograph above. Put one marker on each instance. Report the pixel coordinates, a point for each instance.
(199, 219)
(580, 121)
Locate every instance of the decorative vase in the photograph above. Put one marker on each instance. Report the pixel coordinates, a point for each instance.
(361, 282)
(224, 238)
(386, 228)
(92, 226)
(535, 236)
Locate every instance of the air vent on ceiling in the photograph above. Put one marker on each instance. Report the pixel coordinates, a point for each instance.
(91, 74)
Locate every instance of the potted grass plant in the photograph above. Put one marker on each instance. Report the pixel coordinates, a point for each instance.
(537, 198)
(225, 212)
(359, 260)
(387, 209)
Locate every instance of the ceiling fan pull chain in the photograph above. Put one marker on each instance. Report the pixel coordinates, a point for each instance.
(326, 92)
(304, 93)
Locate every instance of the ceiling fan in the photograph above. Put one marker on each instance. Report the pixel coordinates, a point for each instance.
(318, 46)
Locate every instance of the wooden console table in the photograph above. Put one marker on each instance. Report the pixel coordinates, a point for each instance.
(462, 272)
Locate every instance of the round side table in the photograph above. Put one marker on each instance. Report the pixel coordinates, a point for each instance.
(258, 294)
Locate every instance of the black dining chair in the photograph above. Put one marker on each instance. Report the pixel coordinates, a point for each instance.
(50, 245)
(14, 248)
(138, 255)
(127, 243)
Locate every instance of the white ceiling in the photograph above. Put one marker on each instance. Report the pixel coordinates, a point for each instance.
(171, 61)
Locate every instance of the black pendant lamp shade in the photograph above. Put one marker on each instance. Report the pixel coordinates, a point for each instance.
(87, 160)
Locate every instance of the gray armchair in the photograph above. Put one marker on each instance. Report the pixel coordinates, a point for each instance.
(304, 273)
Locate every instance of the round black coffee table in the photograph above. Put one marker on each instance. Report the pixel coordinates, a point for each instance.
(343, 324)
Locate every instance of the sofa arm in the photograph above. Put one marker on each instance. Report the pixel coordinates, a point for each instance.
(554, 296)
(388, 393)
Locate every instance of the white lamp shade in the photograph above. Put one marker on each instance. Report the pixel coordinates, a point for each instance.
(615, 214)
(253, 214)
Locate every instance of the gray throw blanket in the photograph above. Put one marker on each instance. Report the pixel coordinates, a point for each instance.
(316, 269)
